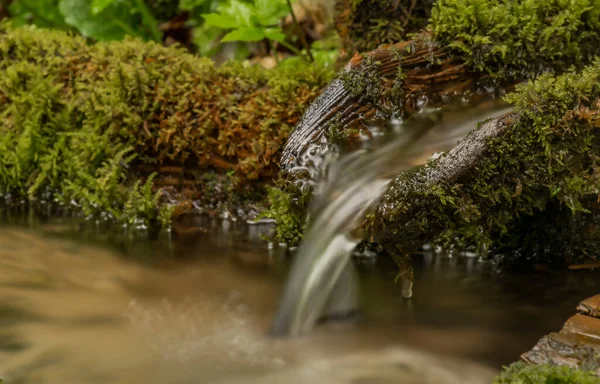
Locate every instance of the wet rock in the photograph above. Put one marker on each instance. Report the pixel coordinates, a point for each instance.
(577, 345)
(590, 307)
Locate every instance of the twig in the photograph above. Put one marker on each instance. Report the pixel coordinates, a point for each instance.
(302, 39)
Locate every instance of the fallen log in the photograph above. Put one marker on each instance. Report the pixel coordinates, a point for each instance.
(482, 195)
(469, 47)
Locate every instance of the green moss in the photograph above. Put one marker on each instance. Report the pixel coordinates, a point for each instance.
(288, 205)
(502, 42)
(364, 82)
(520, 373)
(91, 123)
(547, 158)
(514, 39)
(335, 131)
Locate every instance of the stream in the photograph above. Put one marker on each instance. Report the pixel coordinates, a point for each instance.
(95, 304)
(94, 307)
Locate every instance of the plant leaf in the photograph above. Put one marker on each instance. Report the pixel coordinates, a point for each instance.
(270, 12)
(113, 23)
(42, 13)
(241, 11)
(219, 20)
(99, 5)
(244, 34)
(275, 34)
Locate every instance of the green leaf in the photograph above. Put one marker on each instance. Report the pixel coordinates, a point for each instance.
(99, 5)
(204, 38)
(270, 12)
(275, 34)
(42, 13)
(244, 34)
(116, 21)
(240, 11)
(220, 21)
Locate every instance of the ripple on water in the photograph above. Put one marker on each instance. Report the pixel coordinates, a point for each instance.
(214, 330)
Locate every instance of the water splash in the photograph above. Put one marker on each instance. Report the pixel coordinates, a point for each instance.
(346, 189)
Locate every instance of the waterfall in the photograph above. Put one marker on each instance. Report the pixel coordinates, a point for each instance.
(321, 279)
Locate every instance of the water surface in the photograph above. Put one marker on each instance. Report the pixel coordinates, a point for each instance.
(91, 306)
(94, 304)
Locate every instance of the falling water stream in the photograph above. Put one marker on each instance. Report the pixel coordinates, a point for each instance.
(86, 304)
(321, 274)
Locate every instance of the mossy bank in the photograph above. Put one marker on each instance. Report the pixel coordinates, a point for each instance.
(90, 124)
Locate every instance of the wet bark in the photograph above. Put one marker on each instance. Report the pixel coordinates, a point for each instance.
(398, 78)
(458, 162)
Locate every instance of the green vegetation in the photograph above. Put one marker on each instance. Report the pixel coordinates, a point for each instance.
(88, 122)
(288, 211)
(249, 21)
(203, 26)
(502, 42)
(520, 373)
(547, 157)
(366, 24)
(98, 19)
(518, 39)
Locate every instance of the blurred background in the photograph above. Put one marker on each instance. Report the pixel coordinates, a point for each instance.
(264, 32)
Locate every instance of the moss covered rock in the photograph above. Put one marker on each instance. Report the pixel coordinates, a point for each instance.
(89, 123)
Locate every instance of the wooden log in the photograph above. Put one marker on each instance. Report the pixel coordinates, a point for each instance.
(482, 194)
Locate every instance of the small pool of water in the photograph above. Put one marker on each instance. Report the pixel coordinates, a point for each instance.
(81, 305)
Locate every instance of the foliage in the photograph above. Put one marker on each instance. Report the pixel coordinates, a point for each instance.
(252, 21)
(249, 21)
(325, 52)
(516, 39)
(288, 213)
(92, 122)
(521, 373)
(101, 20)
(214, 22)
(548, 156)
